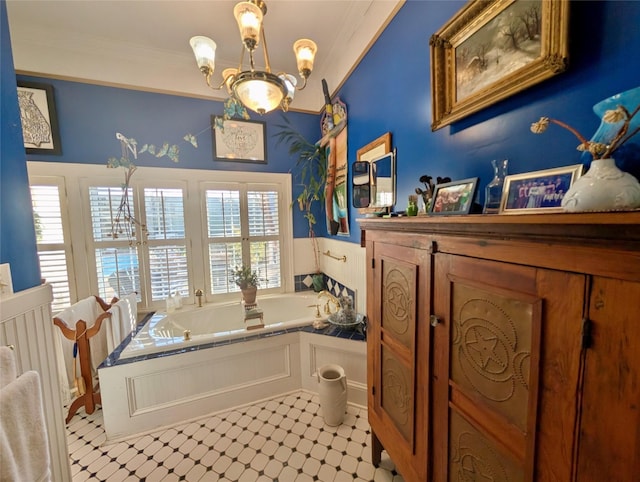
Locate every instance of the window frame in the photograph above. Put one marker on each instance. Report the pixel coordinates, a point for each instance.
(66, 245)
(244, 187)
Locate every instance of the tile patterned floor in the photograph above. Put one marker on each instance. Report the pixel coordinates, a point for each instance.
(283, 439)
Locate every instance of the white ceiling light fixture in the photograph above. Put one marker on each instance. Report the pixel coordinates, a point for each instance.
(258, 90)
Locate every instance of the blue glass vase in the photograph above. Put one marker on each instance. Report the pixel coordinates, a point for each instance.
(607, 186)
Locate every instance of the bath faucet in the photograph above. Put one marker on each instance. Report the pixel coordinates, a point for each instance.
(199, 296)
(317, 307)
(331, 299)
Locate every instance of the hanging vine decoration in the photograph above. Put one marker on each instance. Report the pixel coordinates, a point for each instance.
(124, 222)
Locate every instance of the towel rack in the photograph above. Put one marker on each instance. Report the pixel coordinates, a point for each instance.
(339, 258)
(81, 336)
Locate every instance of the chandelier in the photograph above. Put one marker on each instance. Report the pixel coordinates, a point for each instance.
(258, 90)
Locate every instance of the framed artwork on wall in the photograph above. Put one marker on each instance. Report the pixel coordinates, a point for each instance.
(39, 118)
(538, 191)
(493, 49)
(454, 197)
(240, 140)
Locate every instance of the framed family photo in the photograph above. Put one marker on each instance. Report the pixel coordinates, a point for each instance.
(492, 49)
(538, 191)
(454, 197)
(39, 118)
(240, 140)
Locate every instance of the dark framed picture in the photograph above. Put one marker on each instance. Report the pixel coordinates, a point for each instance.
(240, 140)
(493, 49)
(39, 118)
(538, 191)
(454, 197)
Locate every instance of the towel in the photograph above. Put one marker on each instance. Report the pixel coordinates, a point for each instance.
(24, 448)
(113, 328)
(128, 313)
(8, 371)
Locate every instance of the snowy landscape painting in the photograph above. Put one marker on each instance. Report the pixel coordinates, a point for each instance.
(508, 42)
(493, 49)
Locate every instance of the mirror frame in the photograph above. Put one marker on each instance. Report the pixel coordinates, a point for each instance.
(375, 149)
(373, 193)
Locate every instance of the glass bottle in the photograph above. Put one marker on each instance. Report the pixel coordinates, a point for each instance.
(493, 192)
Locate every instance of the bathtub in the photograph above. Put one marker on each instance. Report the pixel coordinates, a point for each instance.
(218, 322)
(160, 379)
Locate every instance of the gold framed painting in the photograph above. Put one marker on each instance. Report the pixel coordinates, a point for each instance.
(491, 50)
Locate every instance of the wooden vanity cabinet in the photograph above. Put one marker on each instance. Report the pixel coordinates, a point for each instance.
(505, 348)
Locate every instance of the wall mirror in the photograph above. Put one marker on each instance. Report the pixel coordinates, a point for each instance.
(362, 196)
(373, 182)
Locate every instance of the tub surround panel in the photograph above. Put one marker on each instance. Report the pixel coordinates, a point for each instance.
(160, 389)
(165, 388)
(144, 396)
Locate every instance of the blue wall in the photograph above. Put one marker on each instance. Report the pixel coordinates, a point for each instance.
(389, 91)
(90, 115)
(17, 233)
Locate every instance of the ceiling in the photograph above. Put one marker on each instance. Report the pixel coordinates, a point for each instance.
(144, 44)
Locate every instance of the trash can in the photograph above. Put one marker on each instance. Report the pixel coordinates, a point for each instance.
(332, 390)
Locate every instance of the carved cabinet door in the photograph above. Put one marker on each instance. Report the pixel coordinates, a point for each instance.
(398, 340)
(609, 433)
(506, 369)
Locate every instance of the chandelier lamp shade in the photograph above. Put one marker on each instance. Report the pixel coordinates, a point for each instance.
(258, 90)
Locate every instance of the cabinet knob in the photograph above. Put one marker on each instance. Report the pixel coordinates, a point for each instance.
(434, 320)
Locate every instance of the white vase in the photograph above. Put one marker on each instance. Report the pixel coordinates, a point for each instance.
(603, 188)
(332, 391)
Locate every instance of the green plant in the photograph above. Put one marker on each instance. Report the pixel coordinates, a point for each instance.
(244, 277)
(311, 174)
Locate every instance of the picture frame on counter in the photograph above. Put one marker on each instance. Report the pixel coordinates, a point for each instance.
(538, 191)
(456, 197)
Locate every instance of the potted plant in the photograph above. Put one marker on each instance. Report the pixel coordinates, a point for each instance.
(247, 280)
(311, 174)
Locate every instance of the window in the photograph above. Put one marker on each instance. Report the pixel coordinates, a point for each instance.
(197, 226)
(243, 225)
(166, 241)
(116, 257)
(53, 252)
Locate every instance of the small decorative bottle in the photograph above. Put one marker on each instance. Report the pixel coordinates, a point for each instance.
(177, 300)
(412, 207)
(493, 192)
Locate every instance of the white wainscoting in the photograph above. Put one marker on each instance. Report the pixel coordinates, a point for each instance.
(143, 396)
(27, 325)
(352, 274)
